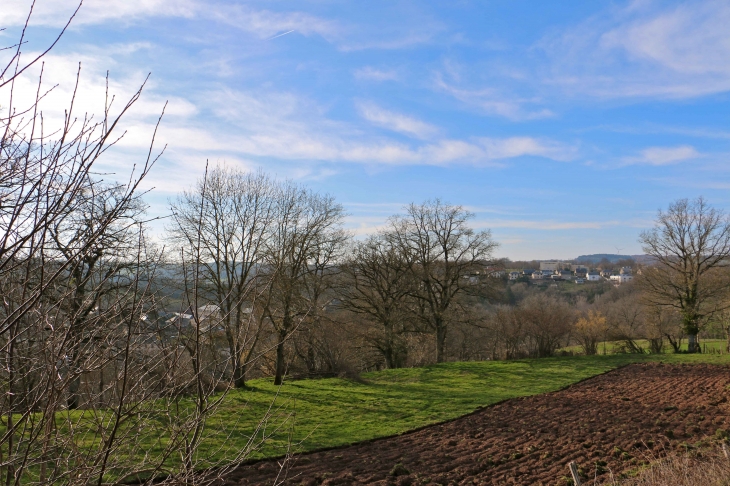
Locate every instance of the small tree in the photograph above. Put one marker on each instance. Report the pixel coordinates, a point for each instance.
(691, 247)
(547, 322)
(589, 330)
(626, 319)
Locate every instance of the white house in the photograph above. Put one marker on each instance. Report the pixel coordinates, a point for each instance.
(537, 275)
(593, 276)
(619, 279)
(514, 275)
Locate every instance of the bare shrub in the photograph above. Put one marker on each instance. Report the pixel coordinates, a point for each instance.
(589, 330)
(547, 323)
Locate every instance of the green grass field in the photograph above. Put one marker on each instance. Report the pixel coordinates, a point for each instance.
(321, 413)
(333, 412)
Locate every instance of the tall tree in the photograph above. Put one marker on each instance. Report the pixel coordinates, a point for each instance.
(304, 241)
(76, 279)
(225, 218)
(376, 285)
(690, 243)
(447, 259)
(92, 242)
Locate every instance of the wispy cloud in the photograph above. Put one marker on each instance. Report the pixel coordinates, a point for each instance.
(261, 23)
(267, 24)
(664, 155)
(374, 74)
(504, 148)
(643, 50)
(55, 13)
(396, 122)
(399, 42)
(491, 101)
(547, 225)
(287, 126)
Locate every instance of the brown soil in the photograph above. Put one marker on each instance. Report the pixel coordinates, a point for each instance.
(613, 422)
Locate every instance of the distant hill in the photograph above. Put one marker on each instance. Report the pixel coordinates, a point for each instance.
(613, 258)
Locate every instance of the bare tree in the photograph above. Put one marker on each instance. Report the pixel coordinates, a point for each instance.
(447, 259)
(304, 241)
(80, 323)
(626, 319)
(91, 241)
(547, 322)
(691, 245)
(227, 217)
(507, 334)
(319, 291)
(376, 284)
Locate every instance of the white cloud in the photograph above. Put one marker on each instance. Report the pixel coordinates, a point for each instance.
(691, 38)
(491, 101)
(664, 155)
(547, 225)
(244, 127)
(396, 122)
(287, 126)
(55, 13)
(505, 148)
(263, 24)
(266, 24)
(642, 51)
(60, 71)
(373, 74)
(404, 42)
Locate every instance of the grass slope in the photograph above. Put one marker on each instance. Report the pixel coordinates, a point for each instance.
(333, 412)
(305, 415)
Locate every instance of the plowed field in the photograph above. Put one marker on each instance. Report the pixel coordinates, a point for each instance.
(611, 422)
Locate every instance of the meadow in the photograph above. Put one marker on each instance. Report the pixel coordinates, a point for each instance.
(323, 413)
(315, 414)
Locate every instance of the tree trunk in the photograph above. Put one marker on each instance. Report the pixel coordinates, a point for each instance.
(73, 392)
(278, 378)
(727, 332)
(239, 374)
(692, 344)
(440, 342)
(73, 401)
(388, 351)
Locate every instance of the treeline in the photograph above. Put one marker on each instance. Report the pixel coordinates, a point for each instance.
(294, 292)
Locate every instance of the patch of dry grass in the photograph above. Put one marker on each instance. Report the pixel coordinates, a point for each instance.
(706, 467)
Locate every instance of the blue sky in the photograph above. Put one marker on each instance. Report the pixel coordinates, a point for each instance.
(564, 126)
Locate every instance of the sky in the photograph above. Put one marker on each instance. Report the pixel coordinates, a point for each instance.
(563, 126)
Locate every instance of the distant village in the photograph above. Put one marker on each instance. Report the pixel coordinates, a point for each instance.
(577, 273)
